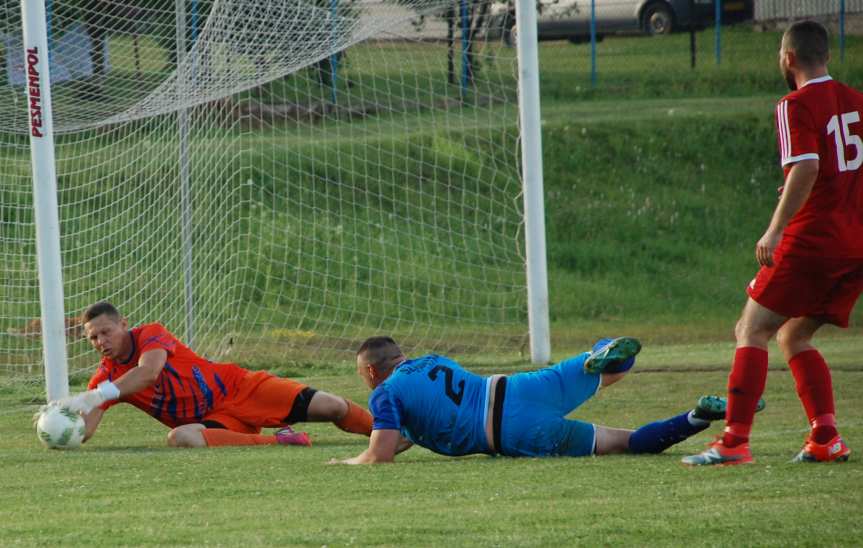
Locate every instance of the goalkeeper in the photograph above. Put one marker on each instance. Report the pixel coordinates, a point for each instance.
(435, 403)
(205, 404)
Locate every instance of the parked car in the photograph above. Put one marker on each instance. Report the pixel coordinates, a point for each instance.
(570, 19)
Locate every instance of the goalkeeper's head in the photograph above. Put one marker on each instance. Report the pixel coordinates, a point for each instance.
(377, 358)
(107, 330)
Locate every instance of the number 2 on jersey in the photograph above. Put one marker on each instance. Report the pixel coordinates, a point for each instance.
(846, 139)
(447, 373)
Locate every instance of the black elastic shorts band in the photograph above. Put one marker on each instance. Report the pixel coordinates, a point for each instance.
(214, 424)
(497, 413)
(300, 408)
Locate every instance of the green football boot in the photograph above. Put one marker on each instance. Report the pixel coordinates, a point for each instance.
(614, 356)
(713, 408)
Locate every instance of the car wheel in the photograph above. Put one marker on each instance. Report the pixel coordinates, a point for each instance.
(657, 19)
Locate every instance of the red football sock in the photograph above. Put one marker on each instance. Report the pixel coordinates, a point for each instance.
(217, 437)
(356, 421)
(745, 386)
(815, 388)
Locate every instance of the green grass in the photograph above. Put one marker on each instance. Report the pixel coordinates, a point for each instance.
(634, 67)
(125, 487)
(667, 181)
(658, 183)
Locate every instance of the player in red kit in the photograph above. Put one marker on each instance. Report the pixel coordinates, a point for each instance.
(811, 255)
(205, 404)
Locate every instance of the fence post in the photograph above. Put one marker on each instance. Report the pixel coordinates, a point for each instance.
(593, 43)
(465, 44)
(334, 58)
(692, 33)
(195, 21)
(842, 31)
(718, 43)
(49, 28)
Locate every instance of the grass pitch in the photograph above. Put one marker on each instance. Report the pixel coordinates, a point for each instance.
(125, 487)
(679, 283)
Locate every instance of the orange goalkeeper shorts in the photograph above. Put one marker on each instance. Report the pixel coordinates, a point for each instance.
(262, 401)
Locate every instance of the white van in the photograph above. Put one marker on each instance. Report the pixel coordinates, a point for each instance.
(570, 19)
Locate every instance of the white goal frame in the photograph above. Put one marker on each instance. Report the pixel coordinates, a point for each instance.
(34, 22)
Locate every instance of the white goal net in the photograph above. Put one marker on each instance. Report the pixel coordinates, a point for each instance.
(302, 175)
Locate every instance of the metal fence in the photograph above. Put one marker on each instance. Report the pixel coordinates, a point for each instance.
(778, 10)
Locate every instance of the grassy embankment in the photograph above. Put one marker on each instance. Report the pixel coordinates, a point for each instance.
(658, 183)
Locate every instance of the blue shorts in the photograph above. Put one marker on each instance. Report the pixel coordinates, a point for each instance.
(535, 404)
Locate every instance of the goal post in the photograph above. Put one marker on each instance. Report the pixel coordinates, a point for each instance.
(184, 172)
(534, 200)
(45, 203)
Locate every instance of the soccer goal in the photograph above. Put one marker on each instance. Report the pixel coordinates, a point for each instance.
(272, 180)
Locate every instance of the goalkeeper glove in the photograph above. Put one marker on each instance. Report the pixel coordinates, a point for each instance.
(87, 401)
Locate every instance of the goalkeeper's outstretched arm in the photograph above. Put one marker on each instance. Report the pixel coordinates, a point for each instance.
(149, 368)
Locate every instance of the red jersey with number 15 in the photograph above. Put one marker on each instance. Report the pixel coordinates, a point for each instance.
(189, 386)
(823, 120)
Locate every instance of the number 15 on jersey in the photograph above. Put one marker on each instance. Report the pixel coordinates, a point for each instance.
(845, 138)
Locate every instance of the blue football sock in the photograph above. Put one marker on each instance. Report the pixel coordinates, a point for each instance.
(658, 436)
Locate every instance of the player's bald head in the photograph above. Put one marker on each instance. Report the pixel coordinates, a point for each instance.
(810, 43)
(382, 353)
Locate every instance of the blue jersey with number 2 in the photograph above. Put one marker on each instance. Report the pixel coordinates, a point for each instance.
(434, 403)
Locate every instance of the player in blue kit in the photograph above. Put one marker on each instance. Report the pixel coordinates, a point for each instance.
(433, 402)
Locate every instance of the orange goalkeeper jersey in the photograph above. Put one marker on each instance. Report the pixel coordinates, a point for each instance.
(189, 386)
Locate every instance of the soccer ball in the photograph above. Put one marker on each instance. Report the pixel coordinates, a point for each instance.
(60, 428)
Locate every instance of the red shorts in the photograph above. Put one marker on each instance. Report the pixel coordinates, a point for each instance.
(262, 401)
(814, 287)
